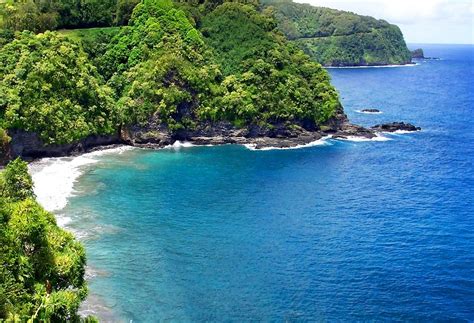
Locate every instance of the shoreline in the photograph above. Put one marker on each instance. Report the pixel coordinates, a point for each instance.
(56, 176)
(54, 187)
(157, 138)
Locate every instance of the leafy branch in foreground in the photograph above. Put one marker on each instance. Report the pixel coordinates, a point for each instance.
(41, 266)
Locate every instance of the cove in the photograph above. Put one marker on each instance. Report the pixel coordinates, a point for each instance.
(342, 230)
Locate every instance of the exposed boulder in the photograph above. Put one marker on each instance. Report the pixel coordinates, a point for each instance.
(370, 110)
(395, 126)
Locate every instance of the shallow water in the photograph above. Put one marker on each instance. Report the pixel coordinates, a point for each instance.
(376, 230)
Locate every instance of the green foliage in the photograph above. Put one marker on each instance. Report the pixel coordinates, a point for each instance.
(6, 36)
(48, 86)
(4, 141)
(241, 71)
(94, 41)
(124, 9)
(234, 67)
(39, 15)
(41, 265)
(334, 37)
(267, 79)
(238, 33)
(26, 15)
(17, 183)
(160, 66)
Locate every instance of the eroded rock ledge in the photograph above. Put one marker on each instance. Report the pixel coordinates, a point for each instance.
(155, 135)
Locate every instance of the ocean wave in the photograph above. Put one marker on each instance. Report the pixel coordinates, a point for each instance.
(54, 178)
(400, 132)
(378, 137)
(180, 144)
(320, 142)
(95, 305)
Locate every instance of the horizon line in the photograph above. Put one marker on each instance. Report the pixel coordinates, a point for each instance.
(418, 43)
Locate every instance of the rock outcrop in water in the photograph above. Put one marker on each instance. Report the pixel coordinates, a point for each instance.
(371, 110)
(395, 126)
(418, 53)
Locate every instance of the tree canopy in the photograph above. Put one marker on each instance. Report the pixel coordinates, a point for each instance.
(335, 37)
(41, 266)
(39, 16)
(49, 86)
(230, 66)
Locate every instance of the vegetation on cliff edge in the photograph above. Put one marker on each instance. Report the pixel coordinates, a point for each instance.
(162, 65)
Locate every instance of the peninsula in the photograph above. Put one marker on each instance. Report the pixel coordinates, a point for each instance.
(217, 72)
(340, 38)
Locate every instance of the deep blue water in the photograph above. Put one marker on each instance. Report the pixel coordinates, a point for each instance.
(346, 231)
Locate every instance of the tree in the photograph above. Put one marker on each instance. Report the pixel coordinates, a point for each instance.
(42, 267)
(49, 86)
(17, 182)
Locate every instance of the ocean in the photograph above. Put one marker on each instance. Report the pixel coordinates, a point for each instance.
(379, 230)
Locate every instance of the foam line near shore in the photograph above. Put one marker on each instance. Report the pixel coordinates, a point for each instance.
(378, 137)
(54, 178)
(320, 142)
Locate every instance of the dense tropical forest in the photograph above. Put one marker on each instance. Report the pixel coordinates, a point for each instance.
(41, 266)
(184, 63)
(339, 38)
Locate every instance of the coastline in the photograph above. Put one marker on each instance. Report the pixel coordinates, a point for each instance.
(55, 179)
(154, 137)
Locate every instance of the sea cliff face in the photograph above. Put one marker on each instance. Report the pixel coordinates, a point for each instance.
(154, 134)
(339, 38)
(29, 145)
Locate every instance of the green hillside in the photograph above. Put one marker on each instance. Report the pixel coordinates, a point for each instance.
(228, 64)
(339, 38)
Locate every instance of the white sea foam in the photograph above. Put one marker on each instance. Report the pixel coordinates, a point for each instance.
(320, 142)
(378, 137)
(368, 112)
(376, 66)
(180, 144)
(54, 178)
(400, 132)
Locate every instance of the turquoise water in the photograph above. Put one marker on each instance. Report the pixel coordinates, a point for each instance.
(341, 231)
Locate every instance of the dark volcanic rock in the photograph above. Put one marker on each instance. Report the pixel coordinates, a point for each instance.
(351, 130)
(154, 134)
(29, 145)
(395, 126)
(371, 110)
